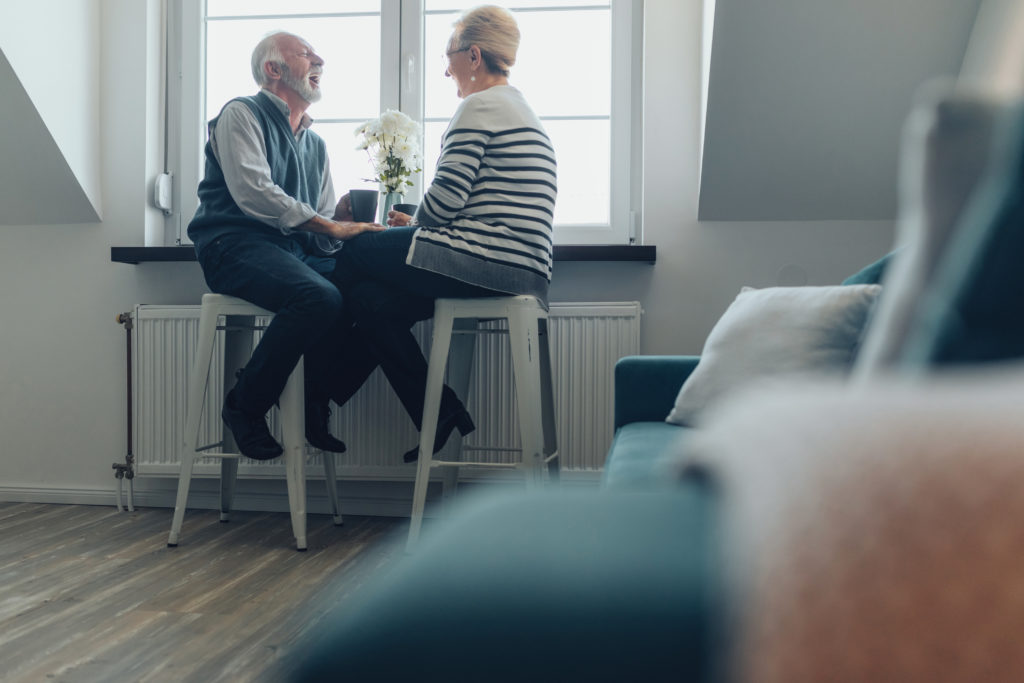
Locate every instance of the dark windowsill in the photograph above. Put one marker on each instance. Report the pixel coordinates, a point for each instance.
(595, 252)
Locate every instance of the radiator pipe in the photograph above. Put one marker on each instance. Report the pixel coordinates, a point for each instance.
(126, 470)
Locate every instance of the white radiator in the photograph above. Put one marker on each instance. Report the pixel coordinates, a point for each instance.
(586, 340)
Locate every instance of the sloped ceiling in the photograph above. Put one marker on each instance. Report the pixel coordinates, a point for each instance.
(50, 137)
(806, 99)
(37, 185)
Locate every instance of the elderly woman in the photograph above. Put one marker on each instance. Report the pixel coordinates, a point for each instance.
(482, 229)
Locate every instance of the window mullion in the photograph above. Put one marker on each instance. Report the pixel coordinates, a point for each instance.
(410, 74)
(186, 126)
(621, 128)
(390, 54)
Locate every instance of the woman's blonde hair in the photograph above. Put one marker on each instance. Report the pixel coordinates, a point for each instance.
(494, 30)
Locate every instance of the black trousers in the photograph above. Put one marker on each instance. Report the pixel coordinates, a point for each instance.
(386, 297)
(276, 273)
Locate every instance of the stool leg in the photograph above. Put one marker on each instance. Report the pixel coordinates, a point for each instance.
(460, 368)
(184, 481)
(331, 482)
(228, 475)
(238, 343)
(196, 394)
(523, 335)
(294, 438)
(431, 409)
(547, 397)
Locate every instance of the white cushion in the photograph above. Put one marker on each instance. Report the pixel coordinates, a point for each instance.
(776, 331)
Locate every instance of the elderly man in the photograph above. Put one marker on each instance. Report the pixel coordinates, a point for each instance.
(262, 233)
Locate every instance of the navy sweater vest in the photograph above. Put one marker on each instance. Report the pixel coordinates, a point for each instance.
(297, 167)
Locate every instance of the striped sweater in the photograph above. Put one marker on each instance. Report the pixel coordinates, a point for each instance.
(487, 217)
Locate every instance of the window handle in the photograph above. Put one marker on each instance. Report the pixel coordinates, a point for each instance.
(410, 72)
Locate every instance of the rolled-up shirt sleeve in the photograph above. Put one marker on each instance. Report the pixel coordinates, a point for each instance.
(241, 151)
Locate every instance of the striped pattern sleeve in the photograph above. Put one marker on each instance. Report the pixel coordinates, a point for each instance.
(493, 194)
(457, 169)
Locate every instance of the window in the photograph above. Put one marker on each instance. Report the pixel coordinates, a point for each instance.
(383, 54)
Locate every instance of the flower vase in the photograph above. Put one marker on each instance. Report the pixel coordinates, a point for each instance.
(390, 199)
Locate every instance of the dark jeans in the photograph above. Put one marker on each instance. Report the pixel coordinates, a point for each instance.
(275, 273)
(386, 297)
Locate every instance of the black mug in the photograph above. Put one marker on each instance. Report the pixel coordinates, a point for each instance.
(408, 209)
(364, 205)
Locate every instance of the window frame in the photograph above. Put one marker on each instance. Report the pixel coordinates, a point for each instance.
(402, 71)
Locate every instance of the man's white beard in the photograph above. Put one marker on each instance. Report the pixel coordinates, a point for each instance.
(300, 85)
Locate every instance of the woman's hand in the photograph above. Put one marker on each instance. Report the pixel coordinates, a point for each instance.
(343, 211)
(397, 218)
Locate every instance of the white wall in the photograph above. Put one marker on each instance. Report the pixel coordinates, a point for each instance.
(62, 395)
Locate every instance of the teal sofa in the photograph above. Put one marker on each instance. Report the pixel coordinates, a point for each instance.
(553, 586)
(644, 444)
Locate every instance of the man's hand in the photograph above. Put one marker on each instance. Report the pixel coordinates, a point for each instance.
(346, 230)
(339, 230)
(343, 211)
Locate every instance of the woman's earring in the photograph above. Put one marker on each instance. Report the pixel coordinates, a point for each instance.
(472, 78)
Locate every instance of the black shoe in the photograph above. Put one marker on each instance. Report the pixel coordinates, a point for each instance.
(460, 419)
(317, 417)
(250, 432)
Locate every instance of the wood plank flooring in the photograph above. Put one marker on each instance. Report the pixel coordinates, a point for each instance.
(91, 594)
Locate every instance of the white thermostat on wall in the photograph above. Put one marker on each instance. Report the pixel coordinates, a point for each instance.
(162, 192)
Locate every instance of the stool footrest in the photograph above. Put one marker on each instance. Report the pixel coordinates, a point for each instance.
(457, 463)
(223, 456)
(492, 449)
(482, 331)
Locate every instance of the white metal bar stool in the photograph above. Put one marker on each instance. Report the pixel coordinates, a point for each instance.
(531, 367)
(239, 324)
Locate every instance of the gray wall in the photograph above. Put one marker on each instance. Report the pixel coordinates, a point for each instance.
(62, 396)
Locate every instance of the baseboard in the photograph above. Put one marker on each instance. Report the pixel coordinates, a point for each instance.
(375, 499)
(60, 496)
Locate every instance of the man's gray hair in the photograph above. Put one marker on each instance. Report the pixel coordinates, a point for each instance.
(266, 50)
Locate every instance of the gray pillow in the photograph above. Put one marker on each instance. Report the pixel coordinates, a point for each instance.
(947, 145)
(776, 331)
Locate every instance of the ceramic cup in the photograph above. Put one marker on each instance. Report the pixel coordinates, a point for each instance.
(364, 205)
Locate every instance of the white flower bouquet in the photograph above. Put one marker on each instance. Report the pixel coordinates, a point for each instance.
(392, 143)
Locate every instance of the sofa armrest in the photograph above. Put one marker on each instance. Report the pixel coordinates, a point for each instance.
(646, 386)
(554, 586)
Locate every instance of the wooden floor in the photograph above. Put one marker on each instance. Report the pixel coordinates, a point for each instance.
(91, 594)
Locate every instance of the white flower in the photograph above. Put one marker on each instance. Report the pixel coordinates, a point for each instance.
(392, 144)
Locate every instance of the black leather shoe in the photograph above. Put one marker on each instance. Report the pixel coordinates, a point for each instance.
(318, 416)
(250, 432)
(460, 420)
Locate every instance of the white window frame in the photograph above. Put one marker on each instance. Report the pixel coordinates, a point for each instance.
(402, 57)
